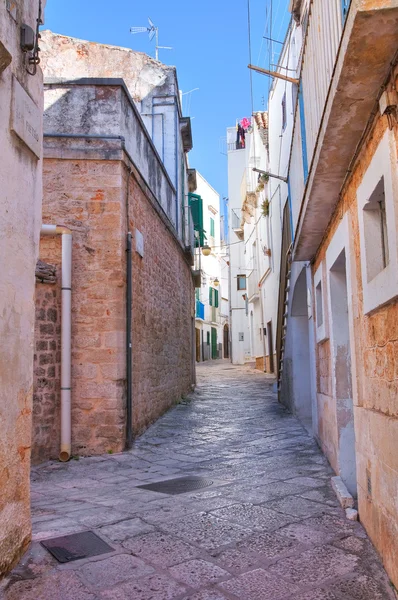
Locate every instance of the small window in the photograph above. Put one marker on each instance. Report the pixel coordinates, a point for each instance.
(319, 307)
(241, 281)
(211, 227)
(375, 230)
(284, 114)
(208, 338)
(197, 293)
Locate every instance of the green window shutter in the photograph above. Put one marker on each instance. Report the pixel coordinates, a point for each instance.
(216, 298)
(211, 227)
(211, 296)
(196, 204)
(197, 294)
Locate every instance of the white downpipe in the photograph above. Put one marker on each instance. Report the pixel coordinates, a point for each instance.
(66, 346)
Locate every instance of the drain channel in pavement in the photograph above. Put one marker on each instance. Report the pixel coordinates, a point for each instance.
(76, 546)
(181, 485)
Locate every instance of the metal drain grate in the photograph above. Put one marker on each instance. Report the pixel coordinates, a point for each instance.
(76, 546)
(181, 485)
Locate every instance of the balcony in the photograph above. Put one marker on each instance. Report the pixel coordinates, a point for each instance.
(237, 224)
(253, 291)
(214, 314)
(342, 75)
(200, 310)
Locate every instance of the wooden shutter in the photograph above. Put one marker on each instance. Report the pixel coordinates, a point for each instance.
(211, 296)
(216, 298)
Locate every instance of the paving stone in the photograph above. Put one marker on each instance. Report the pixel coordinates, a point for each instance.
(304, 534)
(160, 549)
(59, 586)
(296, 506)
(259, 585)
(254, 516)
(196, 573)
(125, 529)
(363, 587)
(318, 594)
(310, 482)
(313, 566)
(153, 587)
(234, 559)
(206, 595)
(268, 545)
(111, 571)
(207, 531)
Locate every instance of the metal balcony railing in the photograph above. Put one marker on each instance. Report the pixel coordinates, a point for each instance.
(200, 310)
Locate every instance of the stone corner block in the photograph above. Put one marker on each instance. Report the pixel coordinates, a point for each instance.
(351, 514)
(343, 495)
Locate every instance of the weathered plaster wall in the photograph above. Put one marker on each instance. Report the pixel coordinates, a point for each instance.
(20, 185)
(375, 383)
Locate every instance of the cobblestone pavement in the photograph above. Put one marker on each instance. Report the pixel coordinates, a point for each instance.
(269, 528)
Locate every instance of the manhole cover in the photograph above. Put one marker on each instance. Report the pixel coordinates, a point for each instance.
(75, 546)
(181, 485)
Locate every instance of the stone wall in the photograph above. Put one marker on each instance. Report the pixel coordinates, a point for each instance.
(375, 382)
(21, 102)
(89, 196)
(162, 315)
(47, 370)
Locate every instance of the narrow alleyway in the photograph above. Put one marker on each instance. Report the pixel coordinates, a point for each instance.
(268, 528)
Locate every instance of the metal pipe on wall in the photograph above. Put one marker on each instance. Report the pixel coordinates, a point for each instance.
(129, 298)
(66, 336)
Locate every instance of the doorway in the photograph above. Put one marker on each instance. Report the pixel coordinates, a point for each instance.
(341, 376)
(197, 333)
(300, 384)
(226, 341)
(270, 347)
(214, 349)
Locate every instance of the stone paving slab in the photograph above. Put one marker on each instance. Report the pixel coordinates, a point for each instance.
(269, 528)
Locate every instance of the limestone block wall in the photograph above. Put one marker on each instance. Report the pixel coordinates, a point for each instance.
(375, 380)
(162, 316)
(89, 196)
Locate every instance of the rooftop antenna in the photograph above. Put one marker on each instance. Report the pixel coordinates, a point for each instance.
(153, 32)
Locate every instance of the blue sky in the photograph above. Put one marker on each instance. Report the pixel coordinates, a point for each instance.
(210, 50)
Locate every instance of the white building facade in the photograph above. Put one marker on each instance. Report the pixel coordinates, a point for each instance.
(211, 318)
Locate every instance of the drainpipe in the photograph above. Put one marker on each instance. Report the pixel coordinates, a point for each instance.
(129, 298)
(66, 347)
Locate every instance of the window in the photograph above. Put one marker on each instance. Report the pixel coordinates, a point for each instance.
(319, 307)
(377, 216)
(241, 282)
(213, 297)
(284, 114)
(375, 226)
(208, 338)
(211, 227)
(197, 293)
(322, 328)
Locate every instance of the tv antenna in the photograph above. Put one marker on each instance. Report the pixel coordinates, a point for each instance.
(153, 32)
